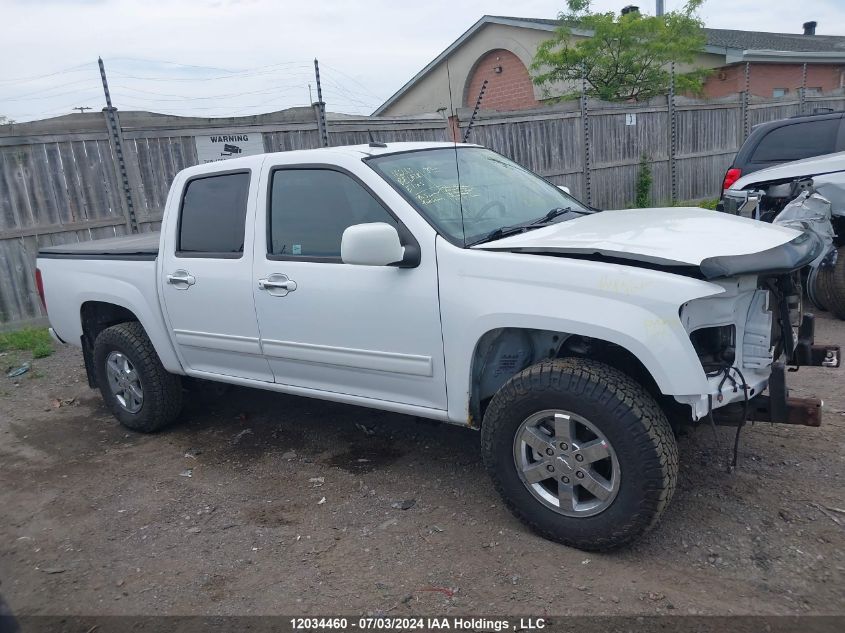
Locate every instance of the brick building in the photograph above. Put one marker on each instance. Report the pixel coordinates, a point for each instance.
(776, 62)
(500, 50)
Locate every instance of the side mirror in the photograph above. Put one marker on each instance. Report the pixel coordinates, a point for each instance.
(373, 244)
(565, 189)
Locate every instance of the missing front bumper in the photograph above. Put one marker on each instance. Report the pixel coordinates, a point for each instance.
(801, 411)
(807, 353)
(776, 406)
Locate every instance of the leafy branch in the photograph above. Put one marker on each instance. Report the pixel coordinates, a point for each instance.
(627, 57)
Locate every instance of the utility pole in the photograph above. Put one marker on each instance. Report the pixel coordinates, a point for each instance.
(116, 139)
(320, 107)
(81, 109)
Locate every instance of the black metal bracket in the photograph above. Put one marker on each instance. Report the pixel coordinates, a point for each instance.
(778, 393)
(825, 356)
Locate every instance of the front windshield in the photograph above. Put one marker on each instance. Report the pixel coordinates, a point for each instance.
(494, 191)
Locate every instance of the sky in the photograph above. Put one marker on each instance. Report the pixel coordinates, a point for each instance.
(239, 57)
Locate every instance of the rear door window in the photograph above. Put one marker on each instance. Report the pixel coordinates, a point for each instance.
(797, 141)
(211, 223)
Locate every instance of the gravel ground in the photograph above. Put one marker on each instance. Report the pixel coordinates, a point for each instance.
(258, 503)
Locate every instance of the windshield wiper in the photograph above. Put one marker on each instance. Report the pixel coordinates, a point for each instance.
(502, 231)
(505, 231)
(551, 215)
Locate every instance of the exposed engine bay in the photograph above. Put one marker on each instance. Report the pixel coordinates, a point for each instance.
(807, 203)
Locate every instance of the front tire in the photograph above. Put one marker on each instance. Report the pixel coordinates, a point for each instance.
(135, 386)
(580, 452)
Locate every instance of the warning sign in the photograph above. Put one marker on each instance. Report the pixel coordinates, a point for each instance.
(215, 147)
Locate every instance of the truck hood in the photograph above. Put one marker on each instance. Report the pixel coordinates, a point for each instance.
(669, 236)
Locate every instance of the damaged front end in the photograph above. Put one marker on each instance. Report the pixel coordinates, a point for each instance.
(748, 336)
(806, 203)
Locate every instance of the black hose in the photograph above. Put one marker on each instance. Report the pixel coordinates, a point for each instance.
(745, 404)
(712, 422)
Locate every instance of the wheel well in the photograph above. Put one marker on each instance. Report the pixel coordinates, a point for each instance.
(96, 316)
(504, 352)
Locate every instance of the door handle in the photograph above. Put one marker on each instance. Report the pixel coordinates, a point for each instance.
(277, 284)
(181, 279)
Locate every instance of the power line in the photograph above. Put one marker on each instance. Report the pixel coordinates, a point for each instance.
(50, 96)
(351, 78)
(342, 91)
(53, 74)
(180, 97)
(164, 61)
(133, 106)
(349, 94)
(40, 90)
(215, 68)
(223, 111)
(55, 111)
(258, 72)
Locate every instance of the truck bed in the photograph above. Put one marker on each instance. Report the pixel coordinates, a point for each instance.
(141, 246)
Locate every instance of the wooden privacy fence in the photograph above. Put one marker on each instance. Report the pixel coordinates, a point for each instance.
(595, 148)
(62, 180)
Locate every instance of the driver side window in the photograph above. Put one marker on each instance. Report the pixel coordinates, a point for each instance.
(311, 208)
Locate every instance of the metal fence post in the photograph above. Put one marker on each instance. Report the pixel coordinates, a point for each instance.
(318, 116)
(744, 104)
(585, 142)
(116, 142)
(673, 136)
(802, 94)
(321, 114)
(475, 111)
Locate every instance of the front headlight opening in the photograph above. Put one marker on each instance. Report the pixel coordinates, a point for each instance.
(715, 346)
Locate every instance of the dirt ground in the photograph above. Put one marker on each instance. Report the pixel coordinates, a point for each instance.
(257, 503)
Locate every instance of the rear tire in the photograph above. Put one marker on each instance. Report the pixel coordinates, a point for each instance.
(627, 443)
(135, 386)
(831, 282)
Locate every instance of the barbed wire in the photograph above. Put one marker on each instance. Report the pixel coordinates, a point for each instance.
(341, 90)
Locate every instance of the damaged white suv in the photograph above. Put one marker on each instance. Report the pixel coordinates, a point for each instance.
(450, 283)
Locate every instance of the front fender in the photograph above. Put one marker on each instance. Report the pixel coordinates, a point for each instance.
(635, 308)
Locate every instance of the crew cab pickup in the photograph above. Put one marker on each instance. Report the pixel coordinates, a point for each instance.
(446, 281)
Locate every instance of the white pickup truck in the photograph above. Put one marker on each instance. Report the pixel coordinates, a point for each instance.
(447, 282)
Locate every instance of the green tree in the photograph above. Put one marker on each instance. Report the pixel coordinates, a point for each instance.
(628, 56)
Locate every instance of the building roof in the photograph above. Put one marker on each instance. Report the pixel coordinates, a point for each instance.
(744, 40)
(759, 40)
(736, 46)
(544, 21)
